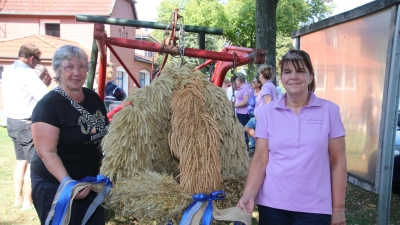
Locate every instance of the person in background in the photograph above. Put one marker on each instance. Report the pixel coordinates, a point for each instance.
(21, 91)
(256, 85)
(232, 88)
(278, 89)
(298, 174)
(268, 94)
(68, 125)
(113, 91)
(226, 84)
(268, 90)
(242, 98)
(43, 74)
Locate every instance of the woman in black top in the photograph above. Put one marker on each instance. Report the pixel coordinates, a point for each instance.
(68, 126)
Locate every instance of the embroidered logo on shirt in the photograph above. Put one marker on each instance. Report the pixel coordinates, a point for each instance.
(314, 121)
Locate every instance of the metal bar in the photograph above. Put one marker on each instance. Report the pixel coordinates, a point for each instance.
(102, 69)
(93, 62)
(145, 24)
(206, 63)
(154, 47)
(123, 64)
(202, 45)
(390, 112)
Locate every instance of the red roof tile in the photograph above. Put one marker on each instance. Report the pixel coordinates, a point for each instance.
(59, 7)
(47, 44)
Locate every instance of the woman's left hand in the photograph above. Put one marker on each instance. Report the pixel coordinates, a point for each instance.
(338, 216)
(83, 193)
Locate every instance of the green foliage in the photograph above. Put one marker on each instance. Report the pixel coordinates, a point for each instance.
(283, 44)
(237, 18)
(240, 31)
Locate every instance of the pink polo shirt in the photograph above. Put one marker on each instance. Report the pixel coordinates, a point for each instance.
(298, 172)
(267, 89)
(245, 90)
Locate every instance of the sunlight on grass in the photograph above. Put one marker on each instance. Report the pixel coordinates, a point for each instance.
(8, 213)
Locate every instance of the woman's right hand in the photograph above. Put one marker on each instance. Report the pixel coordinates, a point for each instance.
(246, 203)
(83, 193)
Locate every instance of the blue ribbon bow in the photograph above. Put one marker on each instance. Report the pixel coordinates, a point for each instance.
(196, 204)
(65, 197)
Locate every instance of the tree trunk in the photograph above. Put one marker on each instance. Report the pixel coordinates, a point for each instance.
(266, 29)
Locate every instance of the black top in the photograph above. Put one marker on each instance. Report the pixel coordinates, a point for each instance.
(114, 92)
(78, 144)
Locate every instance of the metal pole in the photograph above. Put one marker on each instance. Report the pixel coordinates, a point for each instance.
(123, 65)
(93, 62)
(389, 135)
(146, 24)
(202, 45)
(190, 52)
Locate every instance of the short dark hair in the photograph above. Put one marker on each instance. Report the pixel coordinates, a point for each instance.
(299, 59)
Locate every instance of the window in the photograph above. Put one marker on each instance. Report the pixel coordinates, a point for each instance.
(142, 79)
(120, 80)
(345, 79)
(50, 27)
(149, 54)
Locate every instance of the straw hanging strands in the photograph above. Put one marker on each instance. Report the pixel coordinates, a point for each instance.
(181, 126)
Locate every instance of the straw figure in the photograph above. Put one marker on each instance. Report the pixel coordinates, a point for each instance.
(176, 138)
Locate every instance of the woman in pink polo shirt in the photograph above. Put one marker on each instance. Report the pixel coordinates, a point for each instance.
(298, 174)
(243, 94)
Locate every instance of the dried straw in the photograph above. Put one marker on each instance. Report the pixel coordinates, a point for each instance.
(143, 137)
(195, 140)
(161, 194)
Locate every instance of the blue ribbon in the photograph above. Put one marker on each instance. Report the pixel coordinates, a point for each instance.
(97, 179)
(62, 202)
(198, 200)
(65, 197)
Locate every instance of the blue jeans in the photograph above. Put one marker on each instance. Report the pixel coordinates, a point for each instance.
(272, 216)
(243, 119)
(21, 134)
(43, 194)
(252, 124)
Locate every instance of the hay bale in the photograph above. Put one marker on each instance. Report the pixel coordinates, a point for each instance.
(152, 140)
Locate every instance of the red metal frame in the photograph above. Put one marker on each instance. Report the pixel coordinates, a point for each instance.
(229, 57)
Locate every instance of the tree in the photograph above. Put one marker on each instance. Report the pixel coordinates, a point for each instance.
(266, 28)
(275, 19)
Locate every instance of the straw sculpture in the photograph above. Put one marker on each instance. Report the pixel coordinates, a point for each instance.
(177, 137)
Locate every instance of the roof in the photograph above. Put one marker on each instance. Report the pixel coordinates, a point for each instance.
(143, 59)
(57, 7)
(141, 34)
(9, 47)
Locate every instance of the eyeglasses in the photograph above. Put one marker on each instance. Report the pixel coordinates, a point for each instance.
(37, 58)
(70, 69)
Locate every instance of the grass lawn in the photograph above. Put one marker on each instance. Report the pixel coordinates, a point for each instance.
(361, 205)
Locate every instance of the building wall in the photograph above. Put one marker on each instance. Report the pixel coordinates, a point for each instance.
(141, 66)
(123, 9)
(17, 26)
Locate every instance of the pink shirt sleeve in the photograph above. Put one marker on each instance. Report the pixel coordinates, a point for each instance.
(262, 123)
(336, 124)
